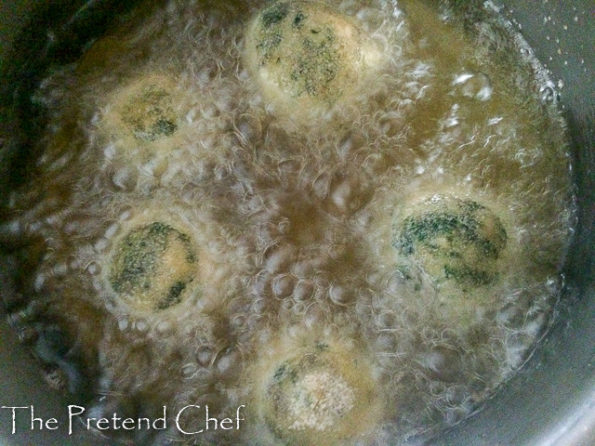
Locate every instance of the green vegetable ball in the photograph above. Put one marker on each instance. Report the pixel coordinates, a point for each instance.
(456, 241)
(304, 53)
(152, 266)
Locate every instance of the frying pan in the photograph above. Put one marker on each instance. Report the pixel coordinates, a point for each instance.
(551, 401)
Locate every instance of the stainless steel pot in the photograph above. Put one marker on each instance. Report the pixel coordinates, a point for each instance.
(550, 402)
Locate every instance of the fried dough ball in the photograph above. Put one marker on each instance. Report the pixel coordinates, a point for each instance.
(143, 112)
(304, 54)
(322, 393)
(152, 265)
(149, 114)
(457, 242)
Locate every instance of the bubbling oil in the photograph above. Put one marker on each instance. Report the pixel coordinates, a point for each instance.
(293, 233)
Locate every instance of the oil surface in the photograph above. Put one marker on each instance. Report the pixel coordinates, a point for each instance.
(305, 227)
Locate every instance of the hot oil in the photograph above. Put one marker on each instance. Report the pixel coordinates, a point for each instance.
(294, 220)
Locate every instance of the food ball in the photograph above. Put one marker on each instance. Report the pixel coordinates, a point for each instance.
(152, 266)
(303, 53)
(149, 114)
(143, 111)
(321, 395)
(457, 242)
